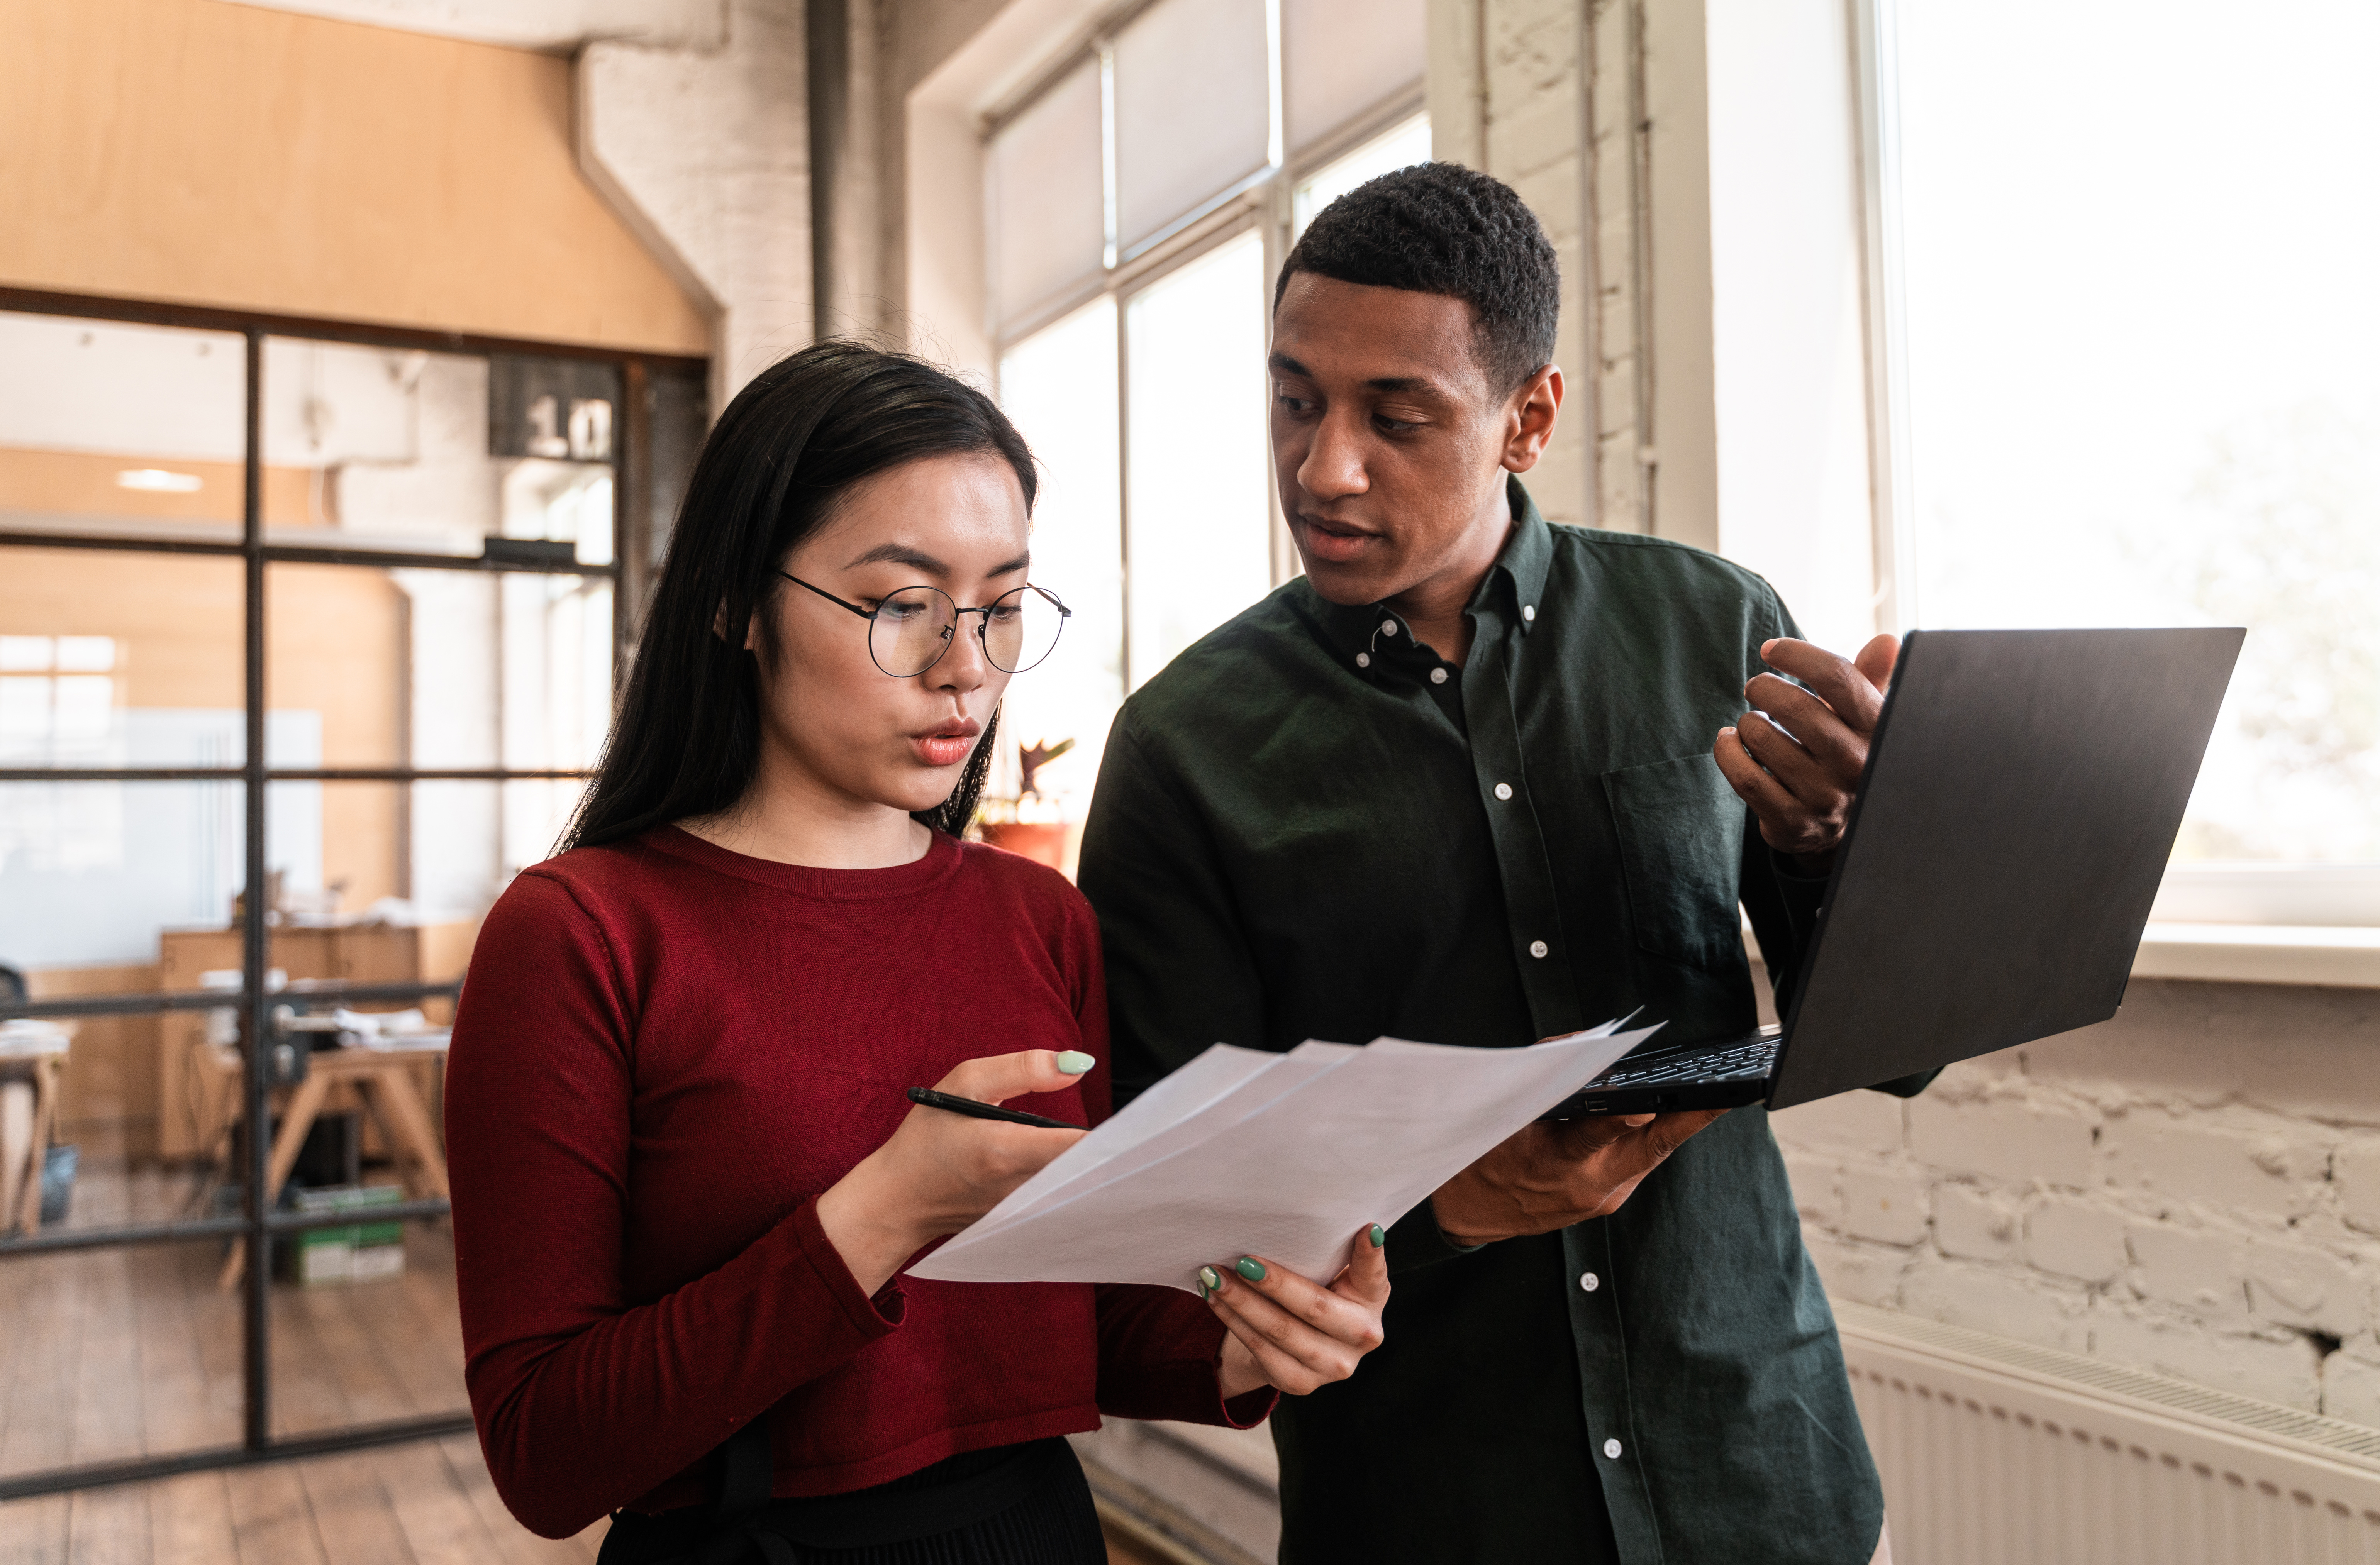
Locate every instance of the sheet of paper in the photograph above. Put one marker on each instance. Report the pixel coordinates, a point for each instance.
(1288, 1161)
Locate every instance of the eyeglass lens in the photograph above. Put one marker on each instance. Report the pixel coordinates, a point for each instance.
(913, 628)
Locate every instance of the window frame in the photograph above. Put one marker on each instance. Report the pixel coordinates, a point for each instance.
(631, 570)
(2196, 897)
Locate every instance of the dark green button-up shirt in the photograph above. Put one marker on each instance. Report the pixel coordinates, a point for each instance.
(1309, 827)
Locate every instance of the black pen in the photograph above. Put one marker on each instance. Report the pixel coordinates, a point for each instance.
(975, 1110)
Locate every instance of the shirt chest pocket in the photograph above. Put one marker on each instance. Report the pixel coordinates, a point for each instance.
(1681, 831)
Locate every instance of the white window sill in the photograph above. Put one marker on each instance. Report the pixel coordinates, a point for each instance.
(2261, 954)
(2344, 957)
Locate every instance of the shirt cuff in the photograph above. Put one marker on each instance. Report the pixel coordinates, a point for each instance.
(1416, 1240)
(869, 1316)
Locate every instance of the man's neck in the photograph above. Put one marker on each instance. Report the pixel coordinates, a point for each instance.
(1434, 610)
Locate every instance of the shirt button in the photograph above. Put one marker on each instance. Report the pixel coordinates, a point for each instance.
(1529, 612)
(1387, 627)
(1589, 1281)
(1611, 1449)
(1503, 790)
(1363, 660)
(1437, 676)
(1536, 948)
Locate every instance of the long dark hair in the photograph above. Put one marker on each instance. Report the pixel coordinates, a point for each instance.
(687, 737)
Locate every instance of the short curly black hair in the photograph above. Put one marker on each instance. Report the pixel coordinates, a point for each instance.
(1442, 228)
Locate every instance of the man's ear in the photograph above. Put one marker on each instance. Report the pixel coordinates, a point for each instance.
(1529, 419)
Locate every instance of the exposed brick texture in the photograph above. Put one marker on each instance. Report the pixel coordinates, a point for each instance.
(2191, 1188)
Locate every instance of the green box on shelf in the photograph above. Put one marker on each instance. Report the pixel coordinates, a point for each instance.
(362, 1252)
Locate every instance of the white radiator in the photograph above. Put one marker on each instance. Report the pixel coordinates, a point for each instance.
(1996, 1453)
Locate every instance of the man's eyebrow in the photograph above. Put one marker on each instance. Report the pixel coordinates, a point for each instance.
(1022, 561)
(1408, 385)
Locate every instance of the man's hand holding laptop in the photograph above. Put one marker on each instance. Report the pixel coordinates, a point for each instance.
(1795, 758)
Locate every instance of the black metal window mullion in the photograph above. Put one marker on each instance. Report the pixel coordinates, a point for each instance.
(256, 1334)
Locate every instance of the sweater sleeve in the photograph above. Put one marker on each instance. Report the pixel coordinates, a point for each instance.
(1160, 1350)
(585, 1401)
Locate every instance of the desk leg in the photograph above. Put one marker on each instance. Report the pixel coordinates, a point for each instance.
(296, 1118)
(45, 1113)
(403, 1105)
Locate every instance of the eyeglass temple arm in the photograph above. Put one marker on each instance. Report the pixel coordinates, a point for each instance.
(863, 614)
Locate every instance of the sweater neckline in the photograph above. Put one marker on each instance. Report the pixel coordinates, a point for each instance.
(928, 869)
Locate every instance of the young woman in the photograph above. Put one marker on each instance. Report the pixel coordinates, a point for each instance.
(686, 1174)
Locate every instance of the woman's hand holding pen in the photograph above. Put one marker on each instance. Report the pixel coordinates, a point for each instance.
(940, 1171)
(1291, 1333)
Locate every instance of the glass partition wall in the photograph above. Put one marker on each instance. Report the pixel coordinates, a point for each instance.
(308, 638)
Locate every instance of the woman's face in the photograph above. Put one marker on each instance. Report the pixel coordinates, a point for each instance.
(863, 736)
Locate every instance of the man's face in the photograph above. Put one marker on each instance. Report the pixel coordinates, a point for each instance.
(1389, 442)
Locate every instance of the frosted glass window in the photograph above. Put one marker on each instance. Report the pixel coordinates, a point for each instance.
(1340, 57)
(1048, 197)
(1200, 536)
(1406, 144)
(2140, 336)
(1060, 386)
(1193, 110)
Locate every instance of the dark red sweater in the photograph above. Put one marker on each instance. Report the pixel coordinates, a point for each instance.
(664, 1052)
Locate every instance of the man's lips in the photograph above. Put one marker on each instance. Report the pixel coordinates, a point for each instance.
(949, 743)
(1335, 542)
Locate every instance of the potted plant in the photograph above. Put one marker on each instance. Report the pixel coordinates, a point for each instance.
(1025, 822)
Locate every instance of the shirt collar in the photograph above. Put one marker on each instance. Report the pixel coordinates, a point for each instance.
(1520, 569)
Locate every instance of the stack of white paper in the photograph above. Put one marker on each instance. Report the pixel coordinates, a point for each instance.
(1284, 1155)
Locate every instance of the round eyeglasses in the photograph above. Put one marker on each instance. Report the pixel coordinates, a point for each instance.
(909, 631)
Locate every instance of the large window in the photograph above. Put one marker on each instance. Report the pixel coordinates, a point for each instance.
(308, 637)
(2138, 335)
(1140, 197)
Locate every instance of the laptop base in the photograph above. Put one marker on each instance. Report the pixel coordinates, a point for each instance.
(1727, 1075)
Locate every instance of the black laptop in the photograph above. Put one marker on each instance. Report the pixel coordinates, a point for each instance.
(2022, 793)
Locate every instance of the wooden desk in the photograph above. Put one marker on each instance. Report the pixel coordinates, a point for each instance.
(43, 1065)
(384, 1080)
(191, 1115)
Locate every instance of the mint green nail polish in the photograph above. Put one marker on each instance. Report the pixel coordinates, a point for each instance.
(1249, 1267)
(1073, 1061)
(1380, 1236)
(1210, 1279)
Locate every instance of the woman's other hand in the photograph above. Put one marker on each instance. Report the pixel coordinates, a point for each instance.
(939, 1171)
(1291, 1333)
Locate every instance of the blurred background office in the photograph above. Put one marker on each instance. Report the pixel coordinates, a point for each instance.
(353, 353)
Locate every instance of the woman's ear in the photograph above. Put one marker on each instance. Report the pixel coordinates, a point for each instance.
(718, 627)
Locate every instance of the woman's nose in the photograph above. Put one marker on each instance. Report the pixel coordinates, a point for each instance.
(965, 666)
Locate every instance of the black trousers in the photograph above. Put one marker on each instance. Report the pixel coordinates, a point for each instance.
(1012, 1504)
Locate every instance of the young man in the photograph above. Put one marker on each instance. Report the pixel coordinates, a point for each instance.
(1459, 783)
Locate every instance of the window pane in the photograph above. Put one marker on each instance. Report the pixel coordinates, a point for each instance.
(1401, 147)
(436, 667)
(2140, 343)
(120, 429)
(1198, 543)
(1048, 197)
(438, 454)
(1060, 387)
(1193, 110)
(1340, 57)
(110, 659)
(116, 1354)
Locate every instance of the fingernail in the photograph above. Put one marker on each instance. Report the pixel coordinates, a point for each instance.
(1211, 1279)
(1380, 1236)
(1073, 1061)
(1249, 1267)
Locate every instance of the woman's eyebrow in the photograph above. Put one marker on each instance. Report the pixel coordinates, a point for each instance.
(901, 554)
(1022, 561)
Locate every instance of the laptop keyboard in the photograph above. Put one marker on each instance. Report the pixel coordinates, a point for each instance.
(1732, 1064)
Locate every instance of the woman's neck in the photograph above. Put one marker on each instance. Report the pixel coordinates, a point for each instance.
(787, 817)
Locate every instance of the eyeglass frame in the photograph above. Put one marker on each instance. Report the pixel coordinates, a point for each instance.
(982, 629)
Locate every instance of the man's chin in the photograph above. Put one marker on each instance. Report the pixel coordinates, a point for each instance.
(1367, 578)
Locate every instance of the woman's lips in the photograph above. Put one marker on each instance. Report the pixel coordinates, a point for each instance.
(1333, 542)
(949, 744)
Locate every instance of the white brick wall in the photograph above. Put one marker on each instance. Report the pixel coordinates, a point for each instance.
(2191, 1188)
